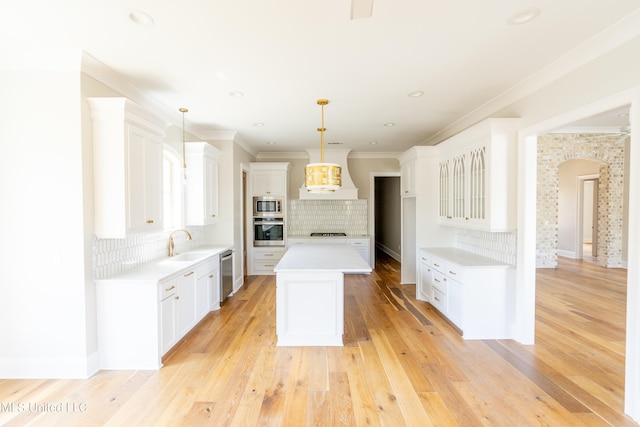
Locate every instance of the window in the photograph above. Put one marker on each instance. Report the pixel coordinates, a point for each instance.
(172, 182)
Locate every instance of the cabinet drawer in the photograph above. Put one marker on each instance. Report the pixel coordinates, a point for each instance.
(439, 300)
(439, 281)
(265, 265)
(358, 242)
(455, 272)
(438, 264)
(167, 289)
(268, 256)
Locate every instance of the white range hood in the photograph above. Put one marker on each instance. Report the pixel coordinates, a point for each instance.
(348, 191)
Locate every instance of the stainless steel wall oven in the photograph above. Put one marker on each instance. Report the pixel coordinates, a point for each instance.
(268, 232)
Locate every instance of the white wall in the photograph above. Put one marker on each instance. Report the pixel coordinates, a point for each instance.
(44, 284)
(568, 174)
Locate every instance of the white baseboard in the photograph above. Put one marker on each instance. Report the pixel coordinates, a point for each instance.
(69, 368)
(567, 254)
(393, 254)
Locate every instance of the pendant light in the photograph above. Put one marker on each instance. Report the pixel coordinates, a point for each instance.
(322, 177)
(184, 159)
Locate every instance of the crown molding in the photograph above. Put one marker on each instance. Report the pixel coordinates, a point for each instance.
(624, 30)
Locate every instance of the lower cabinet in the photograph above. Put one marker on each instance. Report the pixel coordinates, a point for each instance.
(265, 259)
(475, 293)
(139, 320)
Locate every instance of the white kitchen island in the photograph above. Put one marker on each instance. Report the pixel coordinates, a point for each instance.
(310, 293)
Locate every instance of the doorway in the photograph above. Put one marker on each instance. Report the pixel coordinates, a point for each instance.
(587, 221)
(385, 214)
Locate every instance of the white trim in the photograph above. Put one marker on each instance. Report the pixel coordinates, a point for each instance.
(614, 36)
(270, 155)
(525, 292)
(579, 227)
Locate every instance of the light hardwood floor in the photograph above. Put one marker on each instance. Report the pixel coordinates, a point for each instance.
(402, 364)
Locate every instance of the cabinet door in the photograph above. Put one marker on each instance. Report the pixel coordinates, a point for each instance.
(425, 280)
(459, 187)
(186, 310)
(408, 179)
(168, 323)
(144, 181)
(269, 183)
(210, 190)
(213, 279)
(444, 190)
(202, 297)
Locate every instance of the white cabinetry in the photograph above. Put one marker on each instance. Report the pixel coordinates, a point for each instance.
(265, 259)
(201, 190)
(477, 177)
(127, 158)
(186, 317)
(475, 293)
(168, 311)
(269, 179)
(140, 317)
(408, 178)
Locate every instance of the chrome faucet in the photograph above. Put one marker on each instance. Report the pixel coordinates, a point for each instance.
(171, 243)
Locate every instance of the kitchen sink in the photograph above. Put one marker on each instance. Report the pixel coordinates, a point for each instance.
(186, 257)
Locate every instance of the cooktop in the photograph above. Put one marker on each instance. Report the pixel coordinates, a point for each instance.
(325, 234)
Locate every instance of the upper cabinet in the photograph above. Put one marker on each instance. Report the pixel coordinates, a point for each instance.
(269, 179)
(477, 181)
(127, 158)
(408, 178)
(201, 189)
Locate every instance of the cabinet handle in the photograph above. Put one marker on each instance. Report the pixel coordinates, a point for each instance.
(436, 280)
(268, 254)
(436, 264)
(168, 289)
(453, 273)
(428, 270)
(268, 265)
(449, 217)
(436, 298)
(149, 221)
(188, 274)
(466, 219)
(211, 276)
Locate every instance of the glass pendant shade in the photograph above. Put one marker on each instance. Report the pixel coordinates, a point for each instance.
(322, 177)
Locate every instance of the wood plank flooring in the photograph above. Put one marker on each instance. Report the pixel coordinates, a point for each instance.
(402, 364)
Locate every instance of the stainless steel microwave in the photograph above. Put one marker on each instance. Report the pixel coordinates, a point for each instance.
(267, 206)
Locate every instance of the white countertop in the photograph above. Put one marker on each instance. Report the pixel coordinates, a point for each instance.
(166, 267)
(322, 257)
(464, 258)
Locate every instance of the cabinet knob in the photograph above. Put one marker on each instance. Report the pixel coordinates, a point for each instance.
(211, 276)
(149, 221)
(177, 297)
(213, 215)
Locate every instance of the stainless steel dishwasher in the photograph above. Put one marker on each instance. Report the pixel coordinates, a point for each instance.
(226, 274)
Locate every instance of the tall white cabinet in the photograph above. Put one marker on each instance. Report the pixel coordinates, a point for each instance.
(127, 158)
(267, 179)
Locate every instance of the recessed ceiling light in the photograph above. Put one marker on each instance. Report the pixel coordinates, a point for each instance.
(141, 18)
(415, 94)
(389, 124)
(236, 94)
(524, 16)
(373, 143)
(271, 143)
(258, 125)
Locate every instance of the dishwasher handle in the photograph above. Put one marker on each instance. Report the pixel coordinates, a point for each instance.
(225, 256)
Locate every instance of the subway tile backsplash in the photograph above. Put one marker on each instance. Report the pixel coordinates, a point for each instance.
(327, 216)
(113, 256)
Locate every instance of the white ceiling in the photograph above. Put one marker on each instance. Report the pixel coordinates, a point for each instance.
(283, 55)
